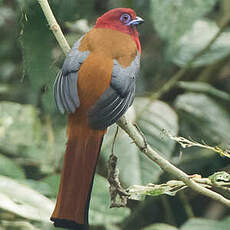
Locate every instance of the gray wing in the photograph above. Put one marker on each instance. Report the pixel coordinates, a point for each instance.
(65, 86)
(115, 101)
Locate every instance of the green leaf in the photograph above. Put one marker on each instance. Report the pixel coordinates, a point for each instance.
(153, 119)
(7, 72)
(111, 227)
(180, 23)
(26, 225)
(172, 18)
(138, 192)
(38, 58)
(74, 9)
(226, 220)
(40, 186)
(195, 40)
(204, 224)
(160, 226)
(125, 150)
(23, 135)
(9, 168)
(24, 3)
(139, 169)
(53, 181)
(23, 201)
(100, 213)
(6, 14)
(202, 116)
(18, 225)
(20, 126)
(203, 87)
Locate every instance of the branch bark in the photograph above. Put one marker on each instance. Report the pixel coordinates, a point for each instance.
(219, 180)
(131, 130)
(135, 135)
(54, 26)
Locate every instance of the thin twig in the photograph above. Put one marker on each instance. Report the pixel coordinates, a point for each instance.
(137, 137)
(114, 140)
(115, 188)
(219, 180)
(54, 26)
(166, 165)
(185, 143)
(143, 148)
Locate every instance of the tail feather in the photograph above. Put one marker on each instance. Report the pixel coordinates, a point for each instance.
(80, 160)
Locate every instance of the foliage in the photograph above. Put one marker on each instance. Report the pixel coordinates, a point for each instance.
(32, 132)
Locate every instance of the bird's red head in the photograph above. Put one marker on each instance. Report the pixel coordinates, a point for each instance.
(123, 20)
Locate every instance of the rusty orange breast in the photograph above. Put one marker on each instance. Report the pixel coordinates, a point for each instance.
(95, 73)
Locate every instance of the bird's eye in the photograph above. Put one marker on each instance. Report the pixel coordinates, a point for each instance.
(125, 18)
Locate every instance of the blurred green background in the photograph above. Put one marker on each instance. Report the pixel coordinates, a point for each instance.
(32, 132)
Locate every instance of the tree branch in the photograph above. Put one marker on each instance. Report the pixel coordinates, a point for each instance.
(54, 26)
(131, 130)
(219, 180)
(135, 135)
(185, 143)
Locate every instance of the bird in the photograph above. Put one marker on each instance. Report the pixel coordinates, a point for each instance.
(95, 87)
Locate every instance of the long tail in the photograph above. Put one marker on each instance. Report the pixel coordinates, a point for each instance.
(80, 160)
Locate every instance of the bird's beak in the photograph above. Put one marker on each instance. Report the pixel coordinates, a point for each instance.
(136, 21)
